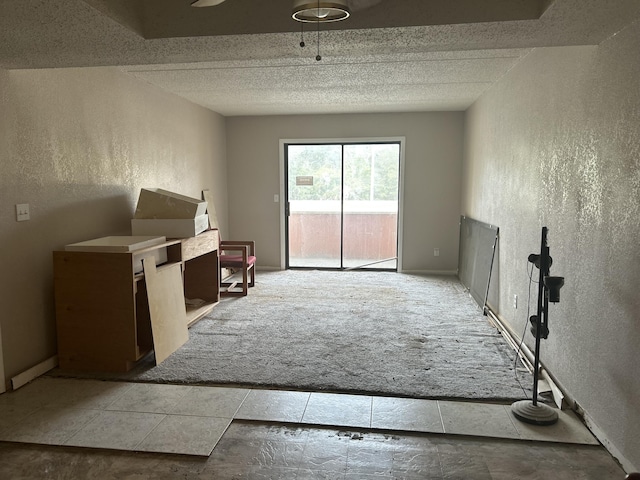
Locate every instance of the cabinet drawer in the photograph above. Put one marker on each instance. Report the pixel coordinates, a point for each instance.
(199, 245)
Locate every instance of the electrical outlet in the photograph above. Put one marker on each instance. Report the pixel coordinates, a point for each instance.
(22, 212)
(436, 252)
(515, 301)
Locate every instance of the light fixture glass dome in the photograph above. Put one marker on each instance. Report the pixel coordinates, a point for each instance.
(206, 3)
(310, 11)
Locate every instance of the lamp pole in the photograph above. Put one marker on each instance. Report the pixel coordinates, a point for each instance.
(541, 317)
(530, 411)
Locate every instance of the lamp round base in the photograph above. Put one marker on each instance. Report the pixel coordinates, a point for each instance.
(539, 414)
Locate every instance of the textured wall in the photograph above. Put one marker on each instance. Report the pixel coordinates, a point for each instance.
(433, 168)
(78, 145)
(556, 143)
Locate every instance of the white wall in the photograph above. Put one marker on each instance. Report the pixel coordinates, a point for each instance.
(556, 143)
(433, 167)
(77, 145)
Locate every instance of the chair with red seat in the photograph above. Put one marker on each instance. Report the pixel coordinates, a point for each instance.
(244, 260)
(243, 257)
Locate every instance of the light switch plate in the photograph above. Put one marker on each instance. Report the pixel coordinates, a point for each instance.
(22, 212)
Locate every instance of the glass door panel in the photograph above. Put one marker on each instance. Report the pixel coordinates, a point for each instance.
(370, 208)
(314, 193)
(342, 205)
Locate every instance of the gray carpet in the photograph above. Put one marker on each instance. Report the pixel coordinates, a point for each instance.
(366, 332)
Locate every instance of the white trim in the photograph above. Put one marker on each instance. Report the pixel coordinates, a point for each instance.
(284, 141)
(34, 372)
(560, 397)
(262, 268)
(627, 466)
(431, 272)
(402, 141)
(283, 233)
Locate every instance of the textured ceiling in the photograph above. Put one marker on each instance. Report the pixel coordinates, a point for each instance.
(389, 57)
(174, 18)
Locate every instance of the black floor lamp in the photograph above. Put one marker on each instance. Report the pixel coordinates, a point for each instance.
(530, 411)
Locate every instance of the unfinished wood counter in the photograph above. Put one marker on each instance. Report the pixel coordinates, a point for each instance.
(102, 307)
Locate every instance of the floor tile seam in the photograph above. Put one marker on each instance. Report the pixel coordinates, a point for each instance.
(306, 405)
(139, 444)
(63, 441)
(126, 387)
(17, 421)
(441, 417)
(140, 448)
(79, 429)
(371, 412)
(90, 422)
(170, 414)
(118, 397)
(515, 426)
(244, 399)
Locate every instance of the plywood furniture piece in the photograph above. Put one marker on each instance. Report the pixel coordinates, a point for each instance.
(211, 209)
(158, 203)
(124, 244)
(170, 227)
(160, 212)
(102, 305)
(166, 307)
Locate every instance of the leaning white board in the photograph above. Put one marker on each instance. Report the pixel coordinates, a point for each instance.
(166, 307)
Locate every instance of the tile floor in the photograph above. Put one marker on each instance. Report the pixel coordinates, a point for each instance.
(263, 434)
(192, 419)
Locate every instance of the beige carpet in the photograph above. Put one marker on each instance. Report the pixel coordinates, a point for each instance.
(368, 332)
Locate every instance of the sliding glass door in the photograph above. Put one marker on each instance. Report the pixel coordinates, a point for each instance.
(342, 205)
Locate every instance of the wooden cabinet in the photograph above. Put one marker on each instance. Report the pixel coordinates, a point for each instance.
(102, 309)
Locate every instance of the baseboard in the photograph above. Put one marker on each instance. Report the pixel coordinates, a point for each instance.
(409, 272)
(34, 372)
(430, 272)
(260, 268)
(561, 396)
(627, 466)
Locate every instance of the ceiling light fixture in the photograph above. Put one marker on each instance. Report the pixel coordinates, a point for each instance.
(206, 3)
(310, 11)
